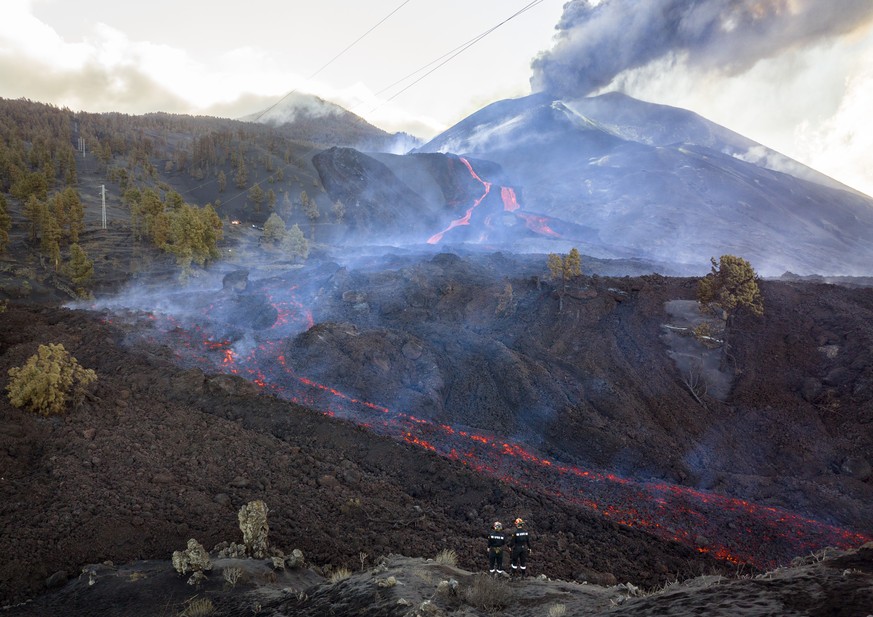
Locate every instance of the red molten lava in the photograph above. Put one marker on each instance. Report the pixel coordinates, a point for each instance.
(727, 528)
(536, 223)
(510, 203)
(464, 220)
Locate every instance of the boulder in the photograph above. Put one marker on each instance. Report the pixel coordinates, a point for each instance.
(237, 280)
(857, 467)
(295, 559)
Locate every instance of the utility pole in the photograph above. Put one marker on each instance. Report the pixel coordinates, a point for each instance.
(103, 192)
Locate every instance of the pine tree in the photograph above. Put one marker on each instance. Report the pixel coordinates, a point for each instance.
(48, 381)
(731, 285)
(729, 288)
(80, 269)
(339, 211)
(274, 229)
(33, 211)
(563, 270)
(310, 209)
(256, 194)
(295, 243)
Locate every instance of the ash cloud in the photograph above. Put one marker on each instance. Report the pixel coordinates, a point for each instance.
(598, 41)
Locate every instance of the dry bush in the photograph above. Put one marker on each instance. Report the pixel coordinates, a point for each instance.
(386, 582)
(340, 574)
(232, 576)
(447, 557)
(557, 610)
(48, 381)
(488, 594)
(198, 607)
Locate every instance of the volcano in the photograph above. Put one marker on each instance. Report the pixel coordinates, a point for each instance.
(433, 199)
(666, 184)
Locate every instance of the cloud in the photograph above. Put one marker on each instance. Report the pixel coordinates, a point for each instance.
(596, 42)
(101, 73)
(108, 71)
(842, 144)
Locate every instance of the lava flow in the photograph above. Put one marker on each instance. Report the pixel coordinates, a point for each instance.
(464, 220)
(537, 223)
(729, 529)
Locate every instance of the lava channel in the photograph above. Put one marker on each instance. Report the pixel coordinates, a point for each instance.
(727, 528)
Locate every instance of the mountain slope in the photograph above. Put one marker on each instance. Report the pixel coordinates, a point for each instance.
(664, 183)
(311, 118)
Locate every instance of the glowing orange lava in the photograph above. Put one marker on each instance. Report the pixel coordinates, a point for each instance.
(536, 223)
(734, 530)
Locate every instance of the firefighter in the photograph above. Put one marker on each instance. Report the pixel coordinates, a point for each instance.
(496, 542)
(519, 545)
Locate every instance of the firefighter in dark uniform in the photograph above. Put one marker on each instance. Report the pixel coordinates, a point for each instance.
(519, 545)
(496, 542)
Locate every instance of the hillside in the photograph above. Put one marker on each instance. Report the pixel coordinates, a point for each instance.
(387, 401)
(311, 118)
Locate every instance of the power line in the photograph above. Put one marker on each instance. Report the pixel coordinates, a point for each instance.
(441, 60)
(451, 55)
(335, 58)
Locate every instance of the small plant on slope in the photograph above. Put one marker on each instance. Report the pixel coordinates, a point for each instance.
(447, 557)
(48, 381)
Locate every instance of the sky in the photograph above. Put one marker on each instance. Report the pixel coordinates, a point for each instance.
(794, 75)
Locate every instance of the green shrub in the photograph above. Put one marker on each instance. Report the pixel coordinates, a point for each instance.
(48, 381)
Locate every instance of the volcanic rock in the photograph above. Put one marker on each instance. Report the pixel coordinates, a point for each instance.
(838, 376)
(57, 579)
(295, 559)
(254, 527)
(194, 558)
(857, 467)
(238, 281)
(163, 477)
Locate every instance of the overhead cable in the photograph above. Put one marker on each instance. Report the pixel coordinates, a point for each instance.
(450, 55)
(335, 58)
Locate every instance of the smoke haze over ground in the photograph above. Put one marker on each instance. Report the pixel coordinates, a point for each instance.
(597, 41)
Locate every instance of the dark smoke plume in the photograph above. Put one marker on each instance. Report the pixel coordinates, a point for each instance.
(597, 41)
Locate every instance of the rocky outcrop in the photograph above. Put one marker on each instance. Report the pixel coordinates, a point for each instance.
(194, 560)
(254, 527)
